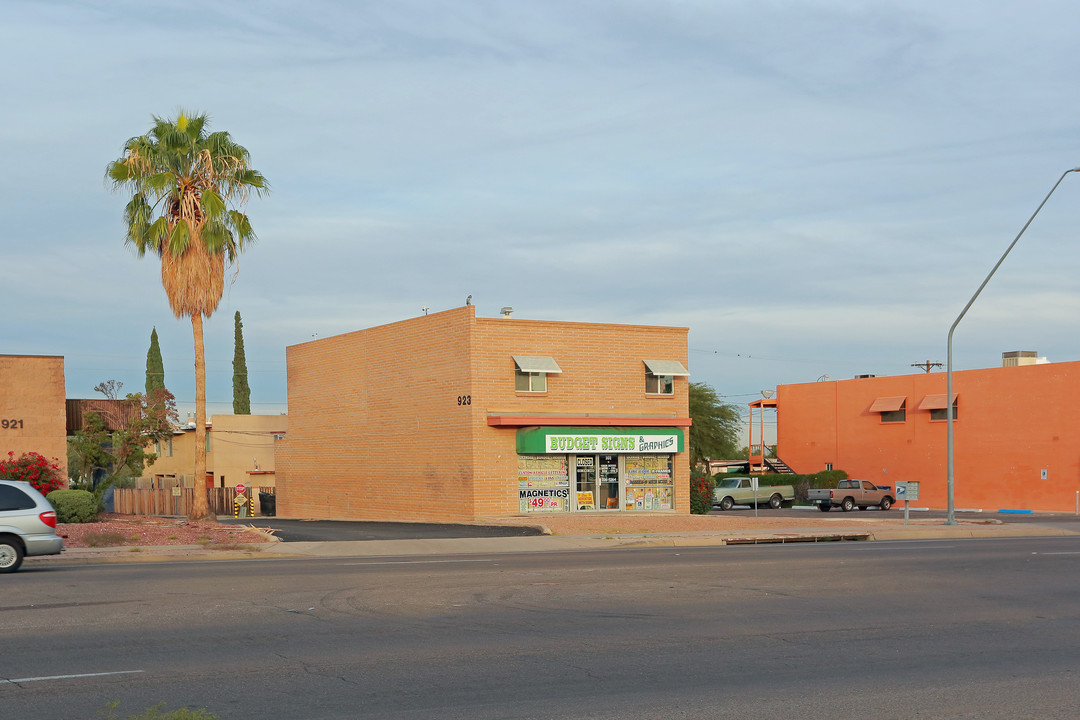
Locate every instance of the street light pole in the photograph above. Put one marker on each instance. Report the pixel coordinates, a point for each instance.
(951, 518)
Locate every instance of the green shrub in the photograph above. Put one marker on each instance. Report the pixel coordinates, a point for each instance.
(701, 493)
(74, 506)
(801, 483)
(823, 479)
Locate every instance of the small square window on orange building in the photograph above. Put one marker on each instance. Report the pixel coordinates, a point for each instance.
(892, 409)
(937, 407)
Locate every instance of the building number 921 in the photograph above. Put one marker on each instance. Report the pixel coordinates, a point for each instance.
(13, 424)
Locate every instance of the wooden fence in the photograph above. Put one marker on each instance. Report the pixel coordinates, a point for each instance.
(177, 501)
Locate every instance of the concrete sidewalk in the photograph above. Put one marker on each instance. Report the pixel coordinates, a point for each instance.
(867, 530)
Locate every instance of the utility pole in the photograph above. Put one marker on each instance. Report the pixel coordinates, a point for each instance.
(926, 366)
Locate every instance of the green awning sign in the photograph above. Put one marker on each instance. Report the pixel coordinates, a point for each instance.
(606, 441)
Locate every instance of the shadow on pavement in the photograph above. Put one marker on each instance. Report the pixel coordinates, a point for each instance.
(336, 530)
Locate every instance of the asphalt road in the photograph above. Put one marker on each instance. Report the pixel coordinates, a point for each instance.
(931, 629)
(330, 530)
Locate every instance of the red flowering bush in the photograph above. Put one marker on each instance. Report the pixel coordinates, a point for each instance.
(35, 469)
(701, 492)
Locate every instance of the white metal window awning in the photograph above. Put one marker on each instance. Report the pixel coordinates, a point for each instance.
(537, 364)
(673, 368)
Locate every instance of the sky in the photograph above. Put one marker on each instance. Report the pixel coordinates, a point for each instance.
(815, 189)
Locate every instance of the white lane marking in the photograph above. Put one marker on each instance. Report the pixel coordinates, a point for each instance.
(417, 562)
(1055, 553)
(67, 677)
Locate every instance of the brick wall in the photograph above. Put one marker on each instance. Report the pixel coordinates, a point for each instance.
(392, 422)
(603, 373)
(375, 431)
(32, 401)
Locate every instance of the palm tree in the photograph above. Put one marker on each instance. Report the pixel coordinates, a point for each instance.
(188, 188)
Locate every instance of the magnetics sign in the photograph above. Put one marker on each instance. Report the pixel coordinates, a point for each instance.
(543, 499)
(562, 440)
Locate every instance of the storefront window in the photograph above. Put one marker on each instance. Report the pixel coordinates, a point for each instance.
(543, 483)
(649, 483)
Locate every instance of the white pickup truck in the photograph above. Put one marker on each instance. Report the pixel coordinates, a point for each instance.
(850, 494)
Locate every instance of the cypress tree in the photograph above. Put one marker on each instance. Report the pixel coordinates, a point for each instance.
(155, 368)
(241, 393)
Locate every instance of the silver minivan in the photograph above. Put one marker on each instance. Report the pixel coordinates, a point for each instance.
(27, 525)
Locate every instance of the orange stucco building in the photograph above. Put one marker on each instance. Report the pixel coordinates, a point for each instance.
(450, 417)
(1016, 434)
(33, 413)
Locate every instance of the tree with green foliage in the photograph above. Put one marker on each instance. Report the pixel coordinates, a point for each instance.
(117, 441)
(241, 393)
(188, 187)
(714, 433)
(155, 368)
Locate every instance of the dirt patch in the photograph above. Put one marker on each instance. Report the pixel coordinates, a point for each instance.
(112, 530)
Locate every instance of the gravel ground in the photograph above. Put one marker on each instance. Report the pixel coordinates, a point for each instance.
(126, 530)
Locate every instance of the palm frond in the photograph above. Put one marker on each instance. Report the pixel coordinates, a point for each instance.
(213, 205)
(188, 187)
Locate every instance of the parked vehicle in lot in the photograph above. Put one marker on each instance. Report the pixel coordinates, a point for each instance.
(27, 525)
(850, 494)
(731, 491)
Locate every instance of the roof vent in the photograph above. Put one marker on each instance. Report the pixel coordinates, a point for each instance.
(507, 311)
(1017, 358)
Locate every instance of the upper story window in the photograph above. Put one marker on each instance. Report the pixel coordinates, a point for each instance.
(892, 409)
(660, 376)
(936, 405)
(659, 384)
(163, 448)
(531, 371)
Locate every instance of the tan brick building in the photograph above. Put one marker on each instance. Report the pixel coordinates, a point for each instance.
(33, 415)
(450, 417)
(240, 449)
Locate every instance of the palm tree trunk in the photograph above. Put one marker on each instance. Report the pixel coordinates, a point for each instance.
(200, 508)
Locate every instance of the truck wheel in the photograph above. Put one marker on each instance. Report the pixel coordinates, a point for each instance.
(825, 507)
(886, 503)
(775, 502)
(11, 554)
(847, 505)
(727, 503)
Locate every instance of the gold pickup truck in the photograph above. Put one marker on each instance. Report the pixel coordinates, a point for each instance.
(850, 494)
(732, 491)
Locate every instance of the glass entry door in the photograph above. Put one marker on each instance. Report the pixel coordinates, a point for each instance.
(608, 479)
(586, 482)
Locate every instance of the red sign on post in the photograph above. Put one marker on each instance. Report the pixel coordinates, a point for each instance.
(240, 488)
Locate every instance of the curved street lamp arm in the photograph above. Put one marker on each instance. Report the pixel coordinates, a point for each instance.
(951, 517)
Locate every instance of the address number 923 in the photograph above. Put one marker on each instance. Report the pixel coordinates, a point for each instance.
(464, 399)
